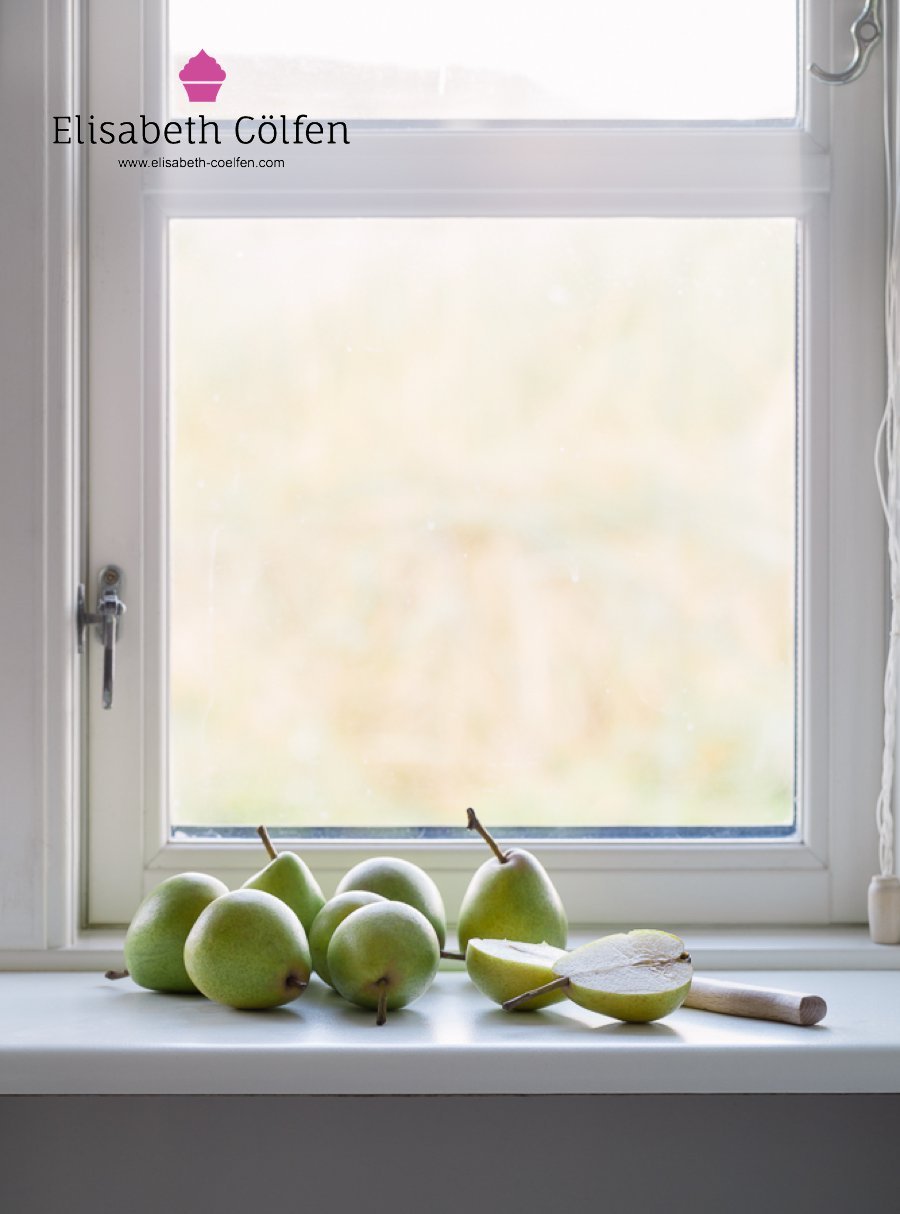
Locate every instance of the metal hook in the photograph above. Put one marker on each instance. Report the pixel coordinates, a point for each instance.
(866, 32)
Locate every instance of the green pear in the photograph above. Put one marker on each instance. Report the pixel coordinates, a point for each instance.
(288, 878)
(511, 898)
(383, 956)
(503, 969)
(399, 881)
(248, 950)
(634, 976)
(154, 943)
(331, 914)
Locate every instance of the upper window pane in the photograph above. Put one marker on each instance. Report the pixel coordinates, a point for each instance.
(494, 59)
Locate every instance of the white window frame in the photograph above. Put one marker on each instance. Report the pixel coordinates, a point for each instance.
(826, 171)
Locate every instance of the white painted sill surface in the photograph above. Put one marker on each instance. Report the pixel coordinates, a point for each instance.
(76, 1033)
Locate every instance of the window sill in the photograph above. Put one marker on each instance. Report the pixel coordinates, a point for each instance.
(75, 1033)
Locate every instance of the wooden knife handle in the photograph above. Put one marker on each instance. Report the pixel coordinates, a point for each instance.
(758, 1002)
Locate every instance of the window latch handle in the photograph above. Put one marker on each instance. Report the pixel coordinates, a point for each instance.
(110, 608)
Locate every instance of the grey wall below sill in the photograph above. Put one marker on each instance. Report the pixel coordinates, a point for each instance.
(365, 1155)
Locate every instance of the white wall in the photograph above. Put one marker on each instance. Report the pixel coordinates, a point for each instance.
(22, 519)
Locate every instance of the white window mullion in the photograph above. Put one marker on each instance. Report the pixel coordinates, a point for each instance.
(586, 171)
(858, 592)
(115, 789)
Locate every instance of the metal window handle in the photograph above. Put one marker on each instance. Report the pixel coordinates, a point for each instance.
(866, 31)
(106, 618)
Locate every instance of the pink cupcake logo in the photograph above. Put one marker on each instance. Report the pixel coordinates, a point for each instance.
(202, 77)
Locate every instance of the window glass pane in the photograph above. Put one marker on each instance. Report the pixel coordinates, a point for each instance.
(489, 511)
(500, 59)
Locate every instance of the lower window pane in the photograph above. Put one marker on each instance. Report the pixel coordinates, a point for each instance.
(482, 511)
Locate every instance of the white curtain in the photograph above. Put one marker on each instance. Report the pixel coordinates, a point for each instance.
(884, 891)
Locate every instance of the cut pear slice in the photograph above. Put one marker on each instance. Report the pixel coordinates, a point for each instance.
(503, 969)
(636, 976)
(641, 975)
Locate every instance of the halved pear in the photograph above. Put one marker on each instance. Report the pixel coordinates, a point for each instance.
(636, 976)
(503, 969)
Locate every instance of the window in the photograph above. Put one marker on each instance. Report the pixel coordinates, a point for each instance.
(510, 452)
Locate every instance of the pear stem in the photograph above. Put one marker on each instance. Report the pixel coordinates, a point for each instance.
(555, 985)
(448, 956)
(115, 975)
(267, 842)
(474, 824)
(381, 1017)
